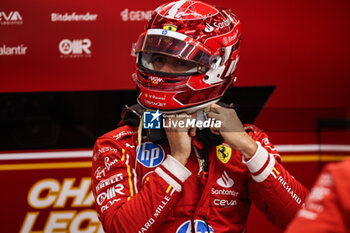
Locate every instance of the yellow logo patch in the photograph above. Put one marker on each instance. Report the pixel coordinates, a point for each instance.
(223, 153)
(170, 27)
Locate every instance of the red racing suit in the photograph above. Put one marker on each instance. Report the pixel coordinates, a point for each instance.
(147, 190)
(327, 208)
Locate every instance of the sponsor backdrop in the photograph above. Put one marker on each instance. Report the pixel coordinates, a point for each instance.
(298, 47)
(39, 198)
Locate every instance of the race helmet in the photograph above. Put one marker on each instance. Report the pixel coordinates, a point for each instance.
(204, 36)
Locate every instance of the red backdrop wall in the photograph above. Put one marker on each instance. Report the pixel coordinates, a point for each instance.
(301, 47)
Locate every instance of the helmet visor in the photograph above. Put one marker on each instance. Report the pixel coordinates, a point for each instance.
(176, 45)
(167, 65)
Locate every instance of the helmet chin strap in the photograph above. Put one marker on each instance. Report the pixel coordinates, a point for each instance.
(205, 134)
(133, 116)
(186, 110)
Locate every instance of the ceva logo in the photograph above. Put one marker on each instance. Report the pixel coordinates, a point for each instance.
(11, 18)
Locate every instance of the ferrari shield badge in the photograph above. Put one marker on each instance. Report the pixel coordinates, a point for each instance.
(223, 153)
(170, 27)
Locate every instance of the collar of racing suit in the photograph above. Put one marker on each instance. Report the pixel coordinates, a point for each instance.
(200, 145)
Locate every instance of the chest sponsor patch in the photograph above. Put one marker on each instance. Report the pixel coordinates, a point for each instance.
(225, 181)
(150, 155)
(223, 153)
(225, 203)
(199, 226)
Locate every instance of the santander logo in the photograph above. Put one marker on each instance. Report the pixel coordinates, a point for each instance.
(225, 181)
(208, 28)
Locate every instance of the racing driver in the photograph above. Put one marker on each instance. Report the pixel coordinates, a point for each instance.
(150, 178)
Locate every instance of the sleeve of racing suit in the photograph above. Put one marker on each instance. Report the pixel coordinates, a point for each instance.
(122, 203)
(272, 189)
(325, 207)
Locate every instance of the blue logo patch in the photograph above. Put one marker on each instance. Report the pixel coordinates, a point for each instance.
(164, 32)
(150, 155)
(199, 225)
(151, 120)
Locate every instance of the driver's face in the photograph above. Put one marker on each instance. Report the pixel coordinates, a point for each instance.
(168, 64)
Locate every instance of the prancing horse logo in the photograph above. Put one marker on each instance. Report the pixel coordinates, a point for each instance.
(223, 153)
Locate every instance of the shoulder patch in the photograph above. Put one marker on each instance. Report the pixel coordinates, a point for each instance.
(150, 154)
(125, 133)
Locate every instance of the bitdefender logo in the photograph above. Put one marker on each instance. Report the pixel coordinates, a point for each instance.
(10, 18)
(151, 120)
(75, 48)
(73, 17)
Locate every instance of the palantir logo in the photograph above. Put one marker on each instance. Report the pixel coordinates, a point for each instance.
(199, 226)
(15, 50)
(152, 120)
(150, 155)
(11, 18)
(75, 48)
(225, 181)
